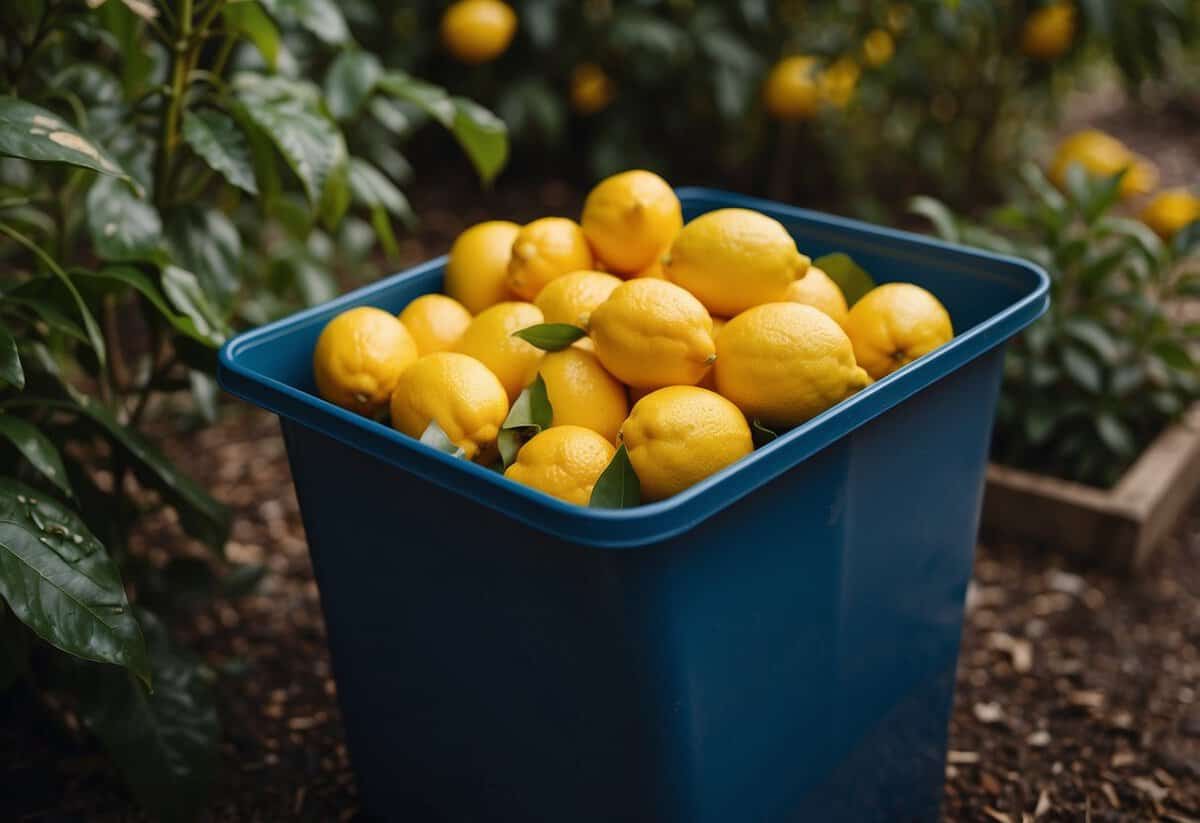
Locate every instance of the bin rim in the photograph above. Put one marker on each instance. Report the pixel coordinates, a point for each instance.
(653, 522)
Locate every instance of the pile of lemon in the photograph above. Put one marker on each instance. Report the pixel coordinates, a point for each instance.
(627, 340)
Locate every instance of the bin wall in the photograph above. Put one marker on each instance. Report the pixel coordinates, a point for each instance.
(790, 658)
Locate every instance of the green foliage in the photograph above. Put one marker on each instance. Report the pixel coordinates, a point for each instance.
(1111, 364)
(618, 486)
(167, 172)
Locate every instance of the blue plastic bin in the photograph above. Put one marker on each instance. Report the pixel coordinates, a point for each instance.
(777, 643)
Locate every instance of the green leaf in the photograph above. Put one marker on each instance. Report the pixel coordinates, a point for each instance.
(34, 133)
(433, 100)
(1093, 335)
(851, 278)
(438, 439)
(137, 279)
(1102, 195)
(335, 197)
(11, 371)
(321, 17)
(761, 433)
(350, 81)
(309, 142)
(183, 289)
(1187, 240)
(550, 336)
(60, 582)
(373, 189)
(1115, 434)
(618, 486)
(1082, 369)
(482, 135)
(123, 227)
(205, 393)
(531, 413)
(36, 448)
(1173, 354)
(216, 138)
(165, 742)
(250, 20)
(206, 243)
(937, 213)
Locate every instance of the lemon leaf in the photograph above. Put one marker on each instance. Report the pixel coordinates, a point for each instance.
(618, 486)
(530, 413)
(550, 336)
(850, 277)
(436, 437)
(761, 434)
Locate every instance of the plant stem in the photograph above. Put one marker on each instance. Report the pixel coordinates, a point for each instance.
(180, 63)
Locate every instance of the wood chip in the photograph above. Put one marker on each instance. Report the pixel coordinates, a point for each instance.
(989, 712)
(1122, 759)
(1043, 804)
(1086, 699)
(1039, 738)
(989, 784)
(1111, 794)
(1156, 792)
(999, 817)
(962, 758)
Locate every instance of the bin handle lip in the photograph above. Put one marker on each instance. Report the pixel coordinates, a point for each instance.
(661, 520)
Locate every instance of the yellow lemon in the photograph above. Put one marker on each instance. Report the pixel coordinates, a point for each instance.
(817, 289)
(878, 47)
(652, 333)
(897, 17)
(476, 31)
(1170, 211)
(543, 250)
(1048, 31)
(894, 324)
(709, 381)
(591, 89)
(1102, 155)
(790, 90)
(435, 321)
(583, 393)
(784, 363)
(573, 297)
(654, 270)
(458, 393)
(836, 84)
(565, 462)
(734, 259)
(359, 357)
(477, 270)
(630, 219)
(489, 339)
(679, 435)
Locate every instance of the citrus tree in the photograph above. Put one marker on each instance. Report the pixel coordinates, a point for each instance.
(167, 171)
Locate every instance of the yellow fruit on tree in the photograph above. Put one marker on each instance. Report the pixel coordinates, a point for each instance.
(679, 435)
(734, 259)
(458, 393)
(573, 297)
(359, 357)
(489, 339)
(582, 392)
(790, 91)
(1102, 155)
(476, 31)
(477, 271)
(543, 250)
(894, 324)
(1048, 31)
(836, 84)
(652, 333)
(817, 289)
(1170, 211)
(591, 89)
(878, 47)
(435, 321)
(564, 461)
(630, 219)
(784, 363)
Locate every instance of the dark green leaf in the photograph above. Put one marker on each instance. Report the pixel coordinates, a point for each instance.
(1173, 354)
(937, 213)
(531, 413)
(1187, 240)
(123, 226)
(550, 336)
(1102, 196)
(183, 289)
(321, 17)
(761, 433)
(1115, 435)
(335, 197)
(10, 361)
(482, 135)
(1125, 379)
(350, 81)
(216, 138)
(60, 582)
(618, 486)
(433, 100)
(249, 19)
(372, 188)
(36, 448)
(206, 243)
(1082, 369)
(851, 278)
(438, 439)
(137, 279)
(34, 133)
(1039, 424)
(1093, 335)
(309, 142)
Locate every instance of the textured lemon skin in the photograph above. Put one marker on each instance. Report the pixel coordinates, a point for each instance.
(894, 324)
(784, 363)
(583, 393)
(358, 358)
(630, 220)
(1102, 155)
(817, 289)
(489, 339)
(651, 333)
(543, 250)
(477, 270)
(477, 31)
(1048, 31)
(1170, 211)
(679, 435)
(790, 91)
(734, 259)
(573, 297)
(709, 381)
(457, 392)
(591, 89)
(563, 461)
(435, 321)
